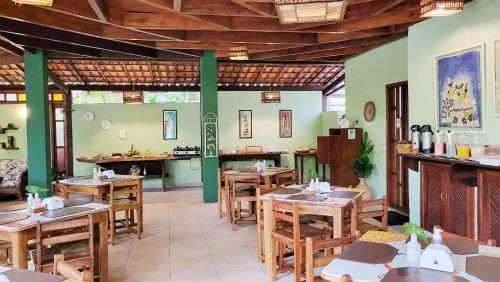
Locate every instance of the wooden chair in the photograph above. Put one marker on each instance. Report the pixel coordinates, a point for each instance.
(314, 245)
(260, 219)
(72, 274)
(221, 191)
(292, 235)
(126, 196)
(243, 189)
(286, 178)
(73, 238)
(369, 209)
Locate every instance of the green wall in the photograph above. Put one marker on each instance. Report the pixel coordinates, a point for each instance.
(478, 24)
(306, 122)
(15, 114)
(366, 78)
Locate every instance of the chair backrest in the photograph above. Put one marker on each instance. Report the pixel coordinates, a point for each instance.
(72, 274)
(313, 245)
(59, 236)
(238, 181)
(286, 178)
(220, 171)
(447, 235)
(369, 209)
(281, 212)
(131, 188)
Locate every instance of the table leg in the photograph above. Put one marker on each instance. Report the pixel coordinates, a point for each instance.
(20, 249)
(269, 247)
(98, 191)
(324, 172)
(268, 182)
(103, 246)
(228, 199)
(316, 163)
(277, 161)
(338, 226)
(296, 165)
(163, 180)
(302, 170)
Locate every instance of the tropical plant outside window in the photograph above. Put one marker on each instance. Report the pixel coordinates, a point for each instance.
(116, 97)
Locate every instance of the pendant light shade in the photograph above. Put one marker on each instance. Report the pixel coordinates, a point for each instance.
(271, 97)
(307, 11)
(34, 2)
(440, 8)
(238, 53)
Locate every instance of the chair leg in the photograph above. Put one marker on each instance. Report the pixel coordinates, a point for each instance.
(281, 255)
(238, 210)
(229, 209)
(127, 220)
(259, 236)
(139, 223)
(112, 226)
(297, 260)
(219, 203)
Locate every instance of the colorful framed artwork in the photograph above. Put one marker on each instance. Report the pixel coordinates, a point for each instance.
(460, 87)
(285, 118)
(169, 124)
(496, 100)
(245, 124)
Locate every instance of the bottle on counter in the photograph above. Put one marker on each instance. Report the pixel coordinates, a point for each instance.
(476, 149)
(450, 144)
(29, 207)
(36, 201)
(439, 144)
(463, 147)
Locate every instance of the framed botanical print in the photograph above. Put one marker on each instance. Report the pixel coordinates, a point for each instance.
(496, 100)
(285, 119)
(245, 124)
(169, 124)
(460, 89)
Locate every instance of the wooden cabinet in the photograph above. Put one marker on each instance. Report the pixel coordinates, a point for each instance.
(489, 205)
(339, 150)
(445, 201)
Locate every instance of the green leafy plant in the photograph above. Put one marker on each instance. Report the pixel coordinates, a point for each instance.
(312, 174)
(36, 189)
(362, 165)
(409, 228)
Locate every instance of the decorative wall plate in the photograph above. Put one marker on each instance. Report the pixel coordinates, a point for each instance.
(123, 134)
(106, 124)
(369, 111)
(88, 116)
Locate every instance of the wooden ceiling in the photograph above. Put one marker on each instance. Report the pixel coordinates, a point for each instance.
(178, 75)
(182, 29)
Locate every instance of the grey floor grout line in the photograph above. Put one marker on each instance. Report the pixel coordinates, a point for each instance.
(209, 252)
(169, 246)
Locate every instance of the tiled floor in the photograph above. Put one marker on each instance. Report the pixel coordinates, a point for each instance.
(185, 241)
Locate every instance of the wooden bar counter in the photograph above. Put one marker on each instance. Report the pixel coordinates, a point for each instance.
(448, 189)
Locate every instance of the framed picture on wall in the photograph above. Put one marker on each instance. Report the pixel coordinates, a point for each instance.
(245, 124)
(496, 100)
(460, 89)
(169, 124)
(285, 119)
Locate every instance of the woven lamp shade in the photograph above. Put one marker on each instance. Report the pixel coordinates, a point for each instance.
(307, 11)
(440, 8)
(270, 97)
(238, 53)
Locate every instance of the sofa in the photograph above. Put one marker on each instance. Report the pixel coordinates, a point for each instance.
(13, 177)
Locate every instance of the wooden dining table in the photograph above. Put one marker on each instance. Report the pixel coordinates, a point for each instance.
(364, 272)
(18, 233)
(266, 176)
(331, 206)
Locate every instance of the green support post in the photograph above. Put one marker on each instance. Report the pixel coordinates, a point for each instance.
(209, 128)
(38, 130)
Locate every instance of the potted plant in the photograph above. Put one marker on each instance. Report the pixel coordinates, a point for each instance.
(312, 174)
(409, 228)
(363, 166)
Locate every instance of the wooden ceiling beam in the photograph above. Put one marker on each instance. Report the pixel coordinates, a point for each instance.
(8, 59)
(73, 68)
(262, 9)
(11, 47)
(381, 20)
(99, 8)
(251, 37)
(216, 8)
(329, 53)
(338, 80)
(162, 5)
(58, 82)
(321, 47)
(252, 47)
(177, 5)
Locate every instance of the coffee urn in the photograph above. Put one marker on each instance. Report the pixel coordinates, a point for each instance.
(415, 137)
(426, 139)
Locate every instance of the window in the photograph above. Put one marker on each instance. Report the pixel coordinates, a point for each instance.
(336, 102)
(97, 97)
(171, 97)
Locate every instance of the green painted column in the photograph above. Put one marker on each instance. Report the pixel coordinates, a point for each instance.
(209, 128)
(38, 130)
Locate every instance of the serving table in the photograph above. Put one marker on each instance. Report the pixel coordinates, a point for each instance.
(18, 233)
(276, 157)
(331, 206)
(154, 166)
(364, 272)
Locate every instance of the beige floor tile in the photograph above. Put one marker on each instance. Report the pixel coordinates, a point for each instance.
(250, 272)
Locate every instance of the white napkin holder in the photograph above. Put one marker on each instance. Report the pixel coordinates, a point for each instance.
(324, 187)
(437, 256)
(53, 203)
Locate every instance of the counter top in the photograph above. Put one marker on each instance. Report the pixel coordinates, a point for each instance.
(452, 161)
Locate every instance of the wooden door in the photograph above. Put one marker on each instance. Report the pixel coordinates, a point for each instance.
(434, 180)
(489, 205)
(61, 139)
(397, 131)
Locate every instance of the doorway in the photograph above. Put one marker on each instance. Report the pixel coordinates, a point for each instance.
(61, 136)
(397, 131)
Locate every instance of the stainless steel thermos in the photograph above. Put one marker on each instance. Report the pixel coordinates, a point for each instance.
(426, 139)
(415, 137)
